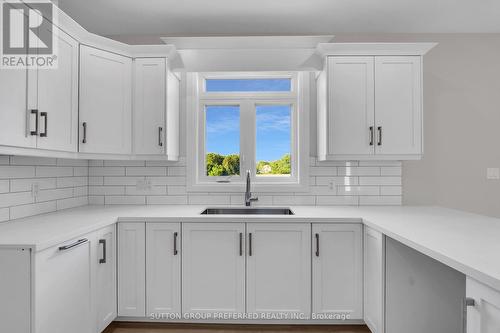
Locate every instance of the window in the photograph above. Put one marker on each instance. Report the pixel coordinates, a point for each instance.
(247, 121)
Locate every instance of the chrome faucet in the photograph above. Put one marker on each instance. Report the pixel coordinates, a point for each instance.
(248, 194)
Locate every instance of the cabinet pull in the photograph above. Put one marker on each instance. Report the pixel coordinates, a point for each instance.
(371, 135)
(160, 136)
(467, 302)
(44, 115)
(175, 243)
(103, 242)
(75, 244)
(250, 244)
(241, 244)
(317, 244)
(84, 125)
(35, 112)
(379, 129)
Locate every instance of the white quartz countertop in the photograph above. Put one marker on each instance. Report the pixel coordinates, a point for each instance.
(467, 242)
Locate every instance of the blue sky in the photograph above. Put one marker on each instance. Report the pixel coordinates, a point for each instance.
(246, 85)
(273, 130)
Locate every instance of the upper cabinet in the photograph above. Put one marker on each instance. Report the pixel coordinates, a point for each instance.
(39, 106)
(105, 102)
(370, 107)
(156, 109)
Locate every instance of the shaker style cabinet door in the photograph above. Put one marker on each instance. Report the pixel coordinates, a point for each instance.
(105, 102)
(163, 268)
(279, 268)
(213, 267)
(132, 269)
(351, 105)
(374, 279)
(105, 268)
(338, 269)
(398, 105)
(483, 308)
(57, 97)
(149, 105)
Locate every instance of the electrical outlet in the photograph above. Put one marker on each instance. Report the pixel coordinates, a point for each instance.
(492, 173)
(331, 185)
(143, 185)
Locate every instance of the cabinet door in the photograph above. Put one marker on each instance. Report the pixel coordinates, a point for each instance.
(132, 269)
(374, 280)
(279, 268)
(105, 102)
(163, 268)
(338, 269)
(398, 105)
(149, 106)
(62, 288)
(484, 315)
(213, 267)
(58, 97)
(351, 103)
(105, 287)
(16, 120)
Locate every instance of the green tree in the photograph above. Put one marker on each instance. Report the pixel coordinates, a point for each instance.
(214, 164)
(281, 166)
(231, 164)
(217, 170)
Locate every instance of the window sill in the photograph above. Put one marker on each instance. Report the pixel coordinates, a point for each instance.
(239, 187)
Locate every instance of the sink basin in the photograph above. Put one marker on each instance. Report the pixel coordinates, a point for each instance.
(247, 211)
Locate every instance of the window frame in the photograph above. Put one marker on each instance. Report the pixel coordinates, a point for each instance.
(198, 99)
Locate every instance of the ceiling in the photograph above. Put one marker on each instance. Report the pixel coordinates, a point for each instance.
(282, 17)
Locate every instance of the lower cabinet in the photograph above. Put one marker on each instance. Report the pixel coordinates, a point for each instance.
(338, 270)
(104, 261)
(213, 267)
(374, 279)
(132, 269)
(483, 308)
(163, 268)
(278, 268)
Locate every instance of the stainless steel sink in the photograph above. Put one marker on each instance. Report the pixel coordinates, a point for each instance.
(247, 211)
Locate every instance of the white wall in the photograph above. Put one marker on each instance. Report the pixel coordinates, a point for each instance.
(462, 122)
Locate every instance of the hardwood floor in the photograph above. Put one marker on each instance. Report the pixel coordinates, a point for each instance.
(216, 328)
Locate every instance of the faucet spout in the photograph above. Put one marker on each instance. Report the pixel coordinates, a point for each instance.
(248, 193)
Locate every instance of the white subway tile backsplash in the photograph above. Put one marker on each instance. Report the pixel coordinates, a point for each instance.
(337, 201)
(124, 200)
(53, 171)
(96, 200)
(176, 171)
(380, 181)
(167, 200)
(323, 171)
(55, 183)
(106, 190)
(176, 190)
(112, 163)
(358, 190)
(122, 180)
(169, 180)
(391, 190)
(32, 209)
(111, 171)
(96, 180)
(198, 199)
(146, 171)
(154, 190)
(391, 171)
(380, 200)
(359, 171)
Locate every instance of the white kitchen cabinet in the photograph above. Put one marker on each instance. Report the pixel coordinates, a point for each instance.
(398, 105)
(57, 97)
(370, 107)
(279, 268)
(483, 308)
(105, 102)
(132, 269)
(351, 100)
(213, 267)
(338, 269)
(163, 268)
(62, 288)
(374, 279)
(156, 108)
(104, 262)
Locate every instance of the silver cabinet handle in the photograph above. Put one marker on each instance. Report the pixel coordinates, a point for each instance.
(317, 244)
(379, 129)
(160, 136)
(371, 135)
(84, 125)
(35, 112)
(103, 242)
(250, 252)
(45, 116)
(75, 244)
(175, 244)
